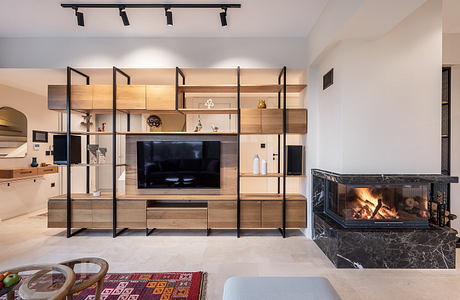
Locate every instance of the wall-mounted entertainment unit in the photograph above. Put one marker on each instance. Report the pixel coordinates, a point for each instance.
(187, 179)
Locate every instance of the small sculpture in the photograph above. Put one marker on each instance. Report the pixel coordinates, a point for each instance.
(209, 103)
(92, 148)
(154, 121)
(261, 104)
(214, 128)
(198, 126)
(86, 121)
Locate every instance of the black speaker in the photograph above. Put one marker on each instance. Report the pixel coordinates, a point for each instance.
(60, 149)
(294, 160)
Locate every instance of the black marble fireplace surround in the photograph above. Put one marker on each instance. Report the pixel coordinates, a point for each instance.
(386, 246)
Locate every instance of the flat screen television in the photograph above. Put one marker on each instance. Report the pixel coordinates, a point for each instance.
(60, 149)
(193, 165)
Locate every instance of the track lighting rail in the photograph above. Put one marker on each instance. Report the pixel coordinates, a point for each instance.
(148, 5)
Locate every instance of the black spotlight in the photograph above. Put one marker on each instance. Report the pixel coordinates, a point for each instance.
(124, 16)
(80, 20)
(168, 14)
(223, 17)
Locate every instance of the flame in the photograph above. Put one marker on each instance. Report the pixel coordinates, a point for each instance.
(370, 206)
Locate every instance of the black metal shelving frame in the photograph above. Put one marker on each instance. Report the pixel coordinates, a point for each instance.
(179, 74)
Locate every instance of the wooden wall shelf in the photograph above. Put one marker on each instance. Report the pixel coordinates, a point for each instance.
(208, 111)
(268, 175)
(258, 88)
(175, 133)
(17, 173)
(81, 133)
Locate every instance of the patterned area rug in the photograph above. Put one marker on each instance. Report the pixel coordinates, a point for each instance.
(155, 286)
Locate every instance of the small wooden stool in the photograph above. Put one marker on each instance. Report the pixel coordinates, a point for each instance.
(97, 278)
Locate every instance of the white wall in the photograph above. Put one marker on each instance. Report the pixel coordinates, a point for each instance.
(382, 115)
(24, 196)
(451, 48)
(152, 52)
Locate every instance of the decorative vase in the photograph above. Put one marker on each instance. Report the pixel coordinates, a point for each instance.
(261, 104)
(264, 167)
(255, 165)
(34, 163)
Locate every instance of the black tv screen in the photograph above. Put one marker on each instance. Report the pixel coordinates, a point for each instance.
(178, 164)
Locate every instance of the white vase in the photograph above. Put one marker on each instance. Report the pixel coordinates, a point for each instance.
(255, 165)
(263, 170)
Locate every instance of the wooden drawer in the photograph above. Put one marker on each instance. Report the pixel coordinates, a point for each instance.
(161, 97)
(102, 214)
(25, 172)
(131, 214)
(296, 120)
(296, 214)
(272, 214)
(81, 97)
(222, 214)
(130, 96)
(272, 121)
(250, 214)
(47, 170)
(177, 218)
(102, 96)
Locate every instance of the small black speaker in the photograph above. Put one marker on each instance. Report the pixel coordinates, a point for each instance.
(60, 149)
(294, 160)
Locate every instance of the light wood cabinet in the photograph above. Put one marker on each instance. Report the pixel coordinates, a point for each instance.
(14, 173)
(131, 214)
(81, 214)
(102, 213)
(250, 214)
(47, 170)
(272, 214)
(296, 212)
(222, 214)
(161, 97)
(81, 97)
(270, 121)
(131, 97)
(102, 96)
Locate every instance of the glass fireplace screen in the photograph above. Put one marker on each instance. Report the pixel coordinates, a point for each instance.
(379, 203)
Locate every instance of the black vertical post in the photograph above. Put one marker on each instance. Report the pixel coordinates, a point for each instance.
(179, 72)
(69, 190)
(87, 151)
(284, 151)
(128, 122)
(238, 204)
(114, 152)
(279, 139)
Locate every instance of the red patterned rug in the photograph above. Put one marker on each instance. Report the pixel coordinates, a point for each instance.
(155, 286)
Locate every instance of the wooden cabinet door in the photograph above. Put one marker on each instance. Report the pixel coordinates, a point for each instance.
(177, 218)
(81, 214)
(251, 120)
(102, 96)
(250, 214)
(102, 213)
(272, 214)
(130, 96)
(296, 120)
(296, 214)
(272, 121)
(131, 214)
(161, 97)
(81, 97)
(222, 214)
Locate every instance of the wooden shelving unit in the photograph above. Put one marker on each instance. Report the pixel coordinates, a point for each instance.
(169, 211)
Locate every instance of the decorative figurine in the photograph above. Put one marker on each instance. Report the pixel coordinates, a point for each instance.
(86, 121)
(102, 155)
(261, 104)
(214, 128)
(93, 153)
(209, 103)
(198, 126)
(255, 165)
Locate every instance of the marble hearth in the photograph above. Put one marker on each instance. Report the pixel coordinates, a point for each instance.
(430, 247)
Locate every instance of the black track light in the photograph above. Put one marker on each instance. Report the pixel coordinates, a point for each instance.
(223, 17)
(168, 14)
(124, 16)
(80, 19)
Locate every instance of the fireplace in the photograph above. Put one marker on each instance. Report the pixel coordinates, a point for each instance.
(383, 220)
(378, 205)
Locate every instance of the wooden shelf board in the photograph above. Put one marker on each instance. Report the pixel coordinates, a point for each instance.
(258, 88)
(162, 197)
(96, 165)
(81, 133)
(176, 133)
(208, 111)
(82, 196)
(268, 175)
(264, 196)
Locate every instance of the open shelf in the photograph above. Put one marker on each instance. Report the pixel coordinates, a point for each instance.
(175, 133)
(272, 196)
(162, 197)
(95, 165)
(268, 175)
(258, 88)
(208, 110)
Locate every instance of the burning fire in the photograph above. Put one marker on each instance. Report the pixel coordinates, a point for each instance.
(370, 206)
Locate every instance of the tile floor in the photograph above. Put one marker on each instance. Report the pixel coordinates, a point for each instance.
(26, 240)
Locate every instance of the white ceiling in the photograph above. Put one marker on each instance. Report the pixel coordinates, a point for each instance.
(256, 18)
(451, 16)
